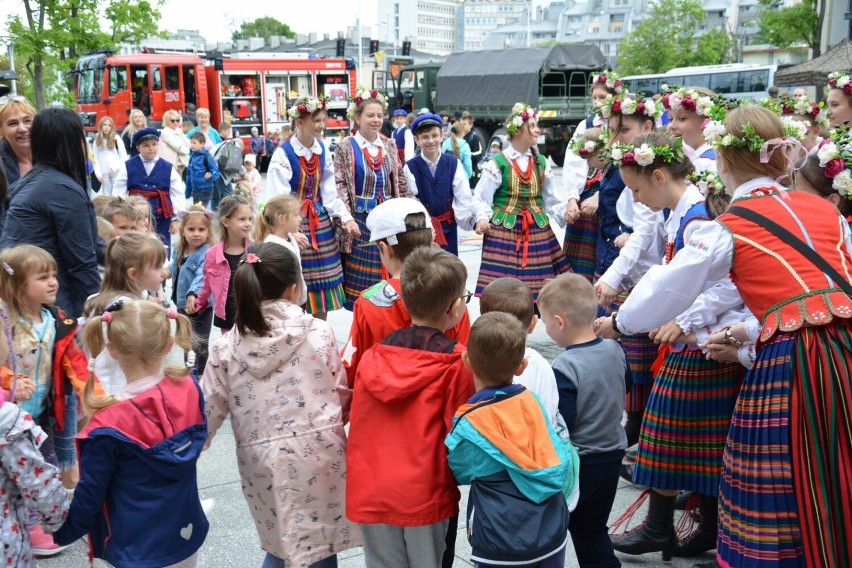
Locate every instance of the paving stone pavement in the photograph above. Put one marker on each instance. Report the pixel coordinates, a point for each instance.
(233, 542)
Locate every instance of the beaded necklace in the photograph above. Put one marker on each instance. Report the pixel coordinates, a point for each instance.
(308, 177)
(372, 177)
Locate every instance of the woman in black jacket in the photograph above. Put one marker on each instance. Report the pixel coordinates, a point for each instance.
(50, 208)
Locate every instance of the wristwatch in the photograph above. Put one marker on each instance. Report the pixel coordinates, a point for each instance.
(730, 339)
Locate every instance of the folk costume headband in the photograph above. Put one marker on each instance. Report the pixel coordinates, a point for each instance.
(521, 112)
(840, 80)
(645, 155)
(306, 106)
(610, 79)
(363, 94)
(835, 156)
(688, 100)
(626, 104)
(584, 149)
(708, 182)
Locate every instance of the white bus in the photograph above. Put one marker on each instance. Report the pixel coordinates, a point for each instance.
(732, 80)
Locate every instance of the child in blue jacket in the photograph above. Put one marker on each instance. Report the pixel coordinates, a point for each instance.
(503, 445)
(202, 171)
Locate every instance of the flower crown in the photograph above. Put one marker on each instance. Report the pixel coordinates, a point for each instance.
(362, 94)
(625, 104)
(689, 100)
(610, 79)
(586, 149)
(306, 106)
(707, 182)
(644, 155)
(805, 107)
(521, 113)
(716, 134)
(840, 80)
(835, 155)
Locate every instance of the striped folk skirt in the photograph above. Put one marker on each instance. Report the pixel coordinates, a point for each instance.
(504, 252)
(362, 266)
(686, 422)
(321, 267)
(786, 491)
(641, 353)
(581, 241)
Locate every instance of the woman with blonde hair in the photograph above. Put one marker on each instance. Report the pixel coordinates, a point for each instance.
(174, 145)
(202, 115)
(109, 154)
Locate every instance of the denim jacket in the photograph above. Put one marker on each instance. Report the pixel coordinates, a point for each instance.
(191, 276)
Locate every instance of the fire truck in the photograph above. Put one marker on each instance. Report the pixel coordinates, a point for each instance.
(248, 90)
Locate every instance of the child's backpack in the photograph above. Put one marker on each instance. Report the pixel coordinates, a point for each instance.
(229, 158)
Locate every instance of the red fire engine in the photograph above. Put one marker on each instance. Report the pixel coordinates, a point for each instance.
(247, 90)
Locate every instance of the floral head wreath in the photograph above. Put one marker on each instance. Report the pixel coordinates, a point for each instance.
(835, 155)
(362, 94)
(689, 100)
(644, 155)
(584, 149)
(840, 80)
(306, 106)
(717, 135)
(805, 107)
(708, 182)
(610, 79)
(521, 113)
(627, 105)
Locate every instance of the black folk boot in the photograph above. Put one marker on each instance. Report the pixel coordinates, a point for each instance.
(703, 538)
(656, 534)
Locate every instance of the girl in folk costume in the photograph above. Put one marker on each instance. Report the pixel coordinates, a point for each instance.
(576, 170)
(367, 171)
(688, 413)
(581, 235)
(688, 109)
(817, 176)
(625, 253)
(811, 116)
(280, 369)
(440, 183)
(303, 167)
(839, 100)
(110, 154)
(517, 189)
(785, 497)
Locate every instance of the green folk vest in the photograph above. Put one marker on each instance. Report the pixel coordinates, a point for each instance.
(517, 194)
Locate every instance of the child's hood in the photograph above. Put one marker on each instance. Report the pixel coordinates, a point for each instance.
(15, 422)
(393, 373)
(289, 329)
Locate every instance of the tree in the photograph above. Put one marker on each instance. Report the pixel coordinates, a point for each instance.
(714, 47)
(663, 40)
(263, 27)
(53, 33)
(798, 23)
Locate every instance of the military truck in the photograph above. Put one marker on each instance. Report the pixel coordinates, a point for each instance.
(487, 83)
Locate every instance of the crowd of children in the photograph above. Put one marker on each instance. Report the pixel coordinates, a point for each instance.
(745, 406)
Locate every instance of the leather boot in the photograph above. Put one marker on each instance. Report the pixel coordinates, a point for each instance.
(633, 426)
(703, 538)
(657, 533)
(682, 500)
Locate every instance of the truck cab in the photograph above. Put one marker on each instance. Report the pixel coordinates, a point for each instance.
(417, 86)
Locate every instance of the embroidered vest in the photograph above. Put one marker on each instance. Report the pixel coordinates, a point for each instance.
(436, 193)
(780, 286)
(304, 184)
(159, 178)
(609, 190)
(372, 178)
(697, 211)
(399, 138)
(515, 195)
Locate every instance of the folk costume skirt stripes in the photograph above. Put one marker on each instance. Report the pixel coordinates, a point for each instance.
(362, 266)
(786, 490)
(321, 268)
(503, 257)
(581, 240)
(686, 422)
(641, 353)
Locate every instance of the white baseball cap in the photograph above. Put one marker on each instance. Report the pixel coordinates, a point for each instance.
(387, 220)
(423, 110)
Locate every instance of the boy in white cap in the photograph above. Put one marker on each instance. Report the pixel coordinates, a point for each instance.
(252, 176)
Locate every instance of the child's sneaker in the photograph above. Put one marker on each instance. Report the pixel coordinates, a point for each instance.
(42, 543)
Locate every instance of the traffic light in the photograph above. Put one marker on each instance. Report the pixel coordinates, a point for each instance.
(406, 48)
(374, 46)
(340, 50)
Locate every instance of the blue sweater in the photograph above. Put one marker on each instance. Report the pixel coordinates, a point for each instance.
(200, 163)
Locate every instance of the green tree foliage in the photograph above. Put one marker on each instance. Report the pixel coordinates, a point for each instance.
(783, 26)
(52, 35)
(263, 27)
(665, 39)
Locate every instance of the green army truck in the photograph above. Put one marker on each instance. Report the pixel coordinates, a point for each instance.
(555, 80)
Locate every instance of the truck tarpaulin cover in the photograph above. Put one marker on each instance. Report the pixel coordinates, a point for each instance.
(500, 78)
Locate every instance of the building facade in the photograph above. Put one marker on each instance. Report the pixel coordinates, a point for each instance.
(431, 25)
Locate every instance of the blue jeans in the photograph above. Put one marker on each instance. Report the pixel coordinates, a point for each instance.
(272, 561)
(220, 190)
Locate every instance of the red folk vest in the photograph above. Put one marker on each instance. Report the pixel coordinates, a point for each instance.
(781, 287)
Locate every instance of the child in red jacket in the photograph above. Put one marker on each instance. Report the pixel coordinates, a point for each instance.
(407, 388)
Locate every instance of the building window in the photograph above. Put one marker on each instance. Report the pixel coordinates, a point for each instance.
(616, 23)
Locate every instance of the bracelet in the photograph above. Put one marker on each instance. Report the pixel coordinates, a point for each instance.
(615, 322)
(730, 339)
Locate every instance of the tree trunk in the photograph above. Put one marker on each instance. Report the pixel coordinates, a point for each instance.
(817, 47)
(38, 82)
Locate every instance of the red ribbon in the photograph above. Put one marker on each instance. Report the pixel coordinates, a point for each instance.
(165, 208)
(657, 366)
(309, 211)
(448, 218)
(526, 222)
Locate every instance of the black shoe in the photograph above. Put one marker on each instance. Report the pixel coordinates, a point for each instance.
(703, 538)
(711, 564)
(682, 500)
(633, 426)
(656, 534)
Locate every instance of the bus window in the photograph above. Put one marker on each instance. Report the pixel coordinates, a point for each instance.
(156, 80)
(696, 81)
(673, 82)
(117, 80)
(723, 83)
(754, 80)
(172, 78)
(648, 86)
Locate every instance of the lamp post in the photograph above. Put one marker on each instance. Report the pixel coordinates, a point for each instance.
(360, 45)
(529, 25)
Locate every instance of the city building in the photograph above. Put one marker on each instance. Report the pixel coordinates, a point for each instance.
(479, 18)
(542, 29)
(432, 25)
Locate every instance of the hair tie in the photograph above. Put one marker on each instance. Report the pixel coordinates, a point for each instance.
(171, 313)
(190, 359)
(252, 258)
(106, 317)
(8, 269)
(795, 154)
(91, 366)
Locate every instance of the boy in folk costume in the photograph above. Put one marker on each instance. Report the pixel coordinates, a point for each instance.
(403, 136)
(153, 178)
(439, 181)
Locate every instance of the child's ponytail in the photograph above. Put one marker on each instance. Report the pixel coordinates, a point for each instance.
(183, 339)
(94, 336)
(266, 272)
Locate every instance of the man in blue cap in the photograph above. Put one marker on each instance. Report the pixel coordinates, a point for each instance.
(439, 181)
(402, 135)
(153, 178)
